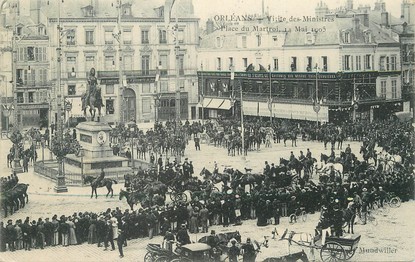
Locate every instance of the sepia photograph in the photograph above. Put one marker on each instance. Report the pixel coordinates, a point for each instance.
(207, 130)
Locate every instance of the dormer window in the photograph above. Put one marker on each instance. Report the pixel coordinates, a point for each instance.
(88, 11)
(41, 30)
(346, 37)
(126, 9)
(160, 11)
(309, 38)
(19, 30)
(368, 36)
(218, 42)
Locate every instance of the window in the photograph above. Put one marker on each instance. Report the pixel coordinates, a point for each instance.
(146, 87)
(31, 97)
(394, 90)
(71, 90)
(244, 41)
(32, 77)
(70, 37)
(164, 86)
(382, 63)
(309, 67)
(70, 64)
(358, 62)
(19, 30)
(108, 37)
(30, 53)
(218, 64)
(218, 41)
(146, 105)
(162, 36)
(309, 38)
(275, 64)
(230, 62)
(126, 9)
(127, 36)
(325, 63)
(181, 65)
(89, 37)
(368, 37)
(164, 65)
(144, 37)
(180, 35)
(393, 63)
(346, 62)
(245, 61)
(258, 40)
(43, 76)
(89, 63)
(20, 98)
(346, 37)
(387, 63)
(145, 64)
(128, 62)
(109, 62)
(109, 106)
(368, 61)
(109, 89)
(383, 89)
(293, 64)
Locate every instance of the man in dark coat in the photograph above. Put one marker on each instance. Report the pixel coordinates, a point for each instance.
(233, 252)
(121, 236)
(11, 235)
(101, 230)
(182, 236)
(249, 253)
(2, 238)
(109, 235)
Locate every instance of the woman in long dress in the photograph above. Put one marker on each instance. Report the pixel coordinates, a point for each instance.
(92, 231)
(72, 235)
(55, 224)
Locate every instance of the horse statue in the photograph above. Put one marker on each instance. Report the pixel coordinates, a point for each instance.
(107, 182)
(92, 98)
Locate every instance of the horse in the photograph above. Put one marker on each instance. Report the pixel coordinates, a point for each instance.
(340, 138)
(132, 197)
(94, 101)
(107, 182)
(349, 217)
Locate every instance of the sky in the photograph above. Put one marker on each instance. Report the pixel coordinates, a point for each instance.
(209, 8)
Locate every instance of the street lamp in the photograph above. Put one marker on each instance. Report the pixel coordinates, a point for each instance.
(132, 127)
(42, 142)
(202, 95)
(81, 155)
(316, 105)
(157, 94)
(270, 95)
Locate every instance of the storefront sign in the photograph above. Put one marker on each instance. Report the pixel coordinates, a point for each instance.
(288, 111)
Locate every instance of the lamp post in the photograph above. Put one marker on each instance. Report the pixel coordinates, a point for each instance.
(60, 179)
(316, 105)
(42, 142)
(118, 37)
(7, 111)
(270, 95)
(157, 94)
(202, 95)
(81, 155)
(132, 130)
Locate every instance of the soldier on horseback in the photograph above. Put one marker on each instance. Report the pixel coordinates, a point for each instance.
(101, 177)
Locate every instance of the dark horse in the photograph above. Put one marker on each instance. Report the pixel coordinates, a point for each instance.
(133, 197)
(92, 98)
(107, 182)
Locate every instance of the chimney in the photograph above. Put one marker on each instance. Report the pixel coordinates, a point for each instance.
(356, 25)
(364, 18)
(210, 26)
(384, 19)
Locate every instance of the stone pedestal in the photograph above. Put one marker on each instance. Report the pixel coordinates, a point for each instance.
(94, 139)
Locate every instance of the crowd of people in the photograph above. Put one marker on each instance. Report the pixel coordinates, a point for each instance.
(266, 200)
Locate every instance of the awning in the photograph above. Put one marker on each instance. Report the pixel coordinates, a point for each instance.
(226, 105)
(215, 103)
(206, 102)
(403, 116)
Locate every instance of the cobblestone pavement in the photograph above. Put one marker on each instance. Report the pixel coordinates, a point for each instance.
(395, 230)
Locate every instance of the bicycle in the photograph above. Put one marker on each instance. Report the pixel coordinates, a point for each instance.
(392, 200)
(299, 213)
(369, 218)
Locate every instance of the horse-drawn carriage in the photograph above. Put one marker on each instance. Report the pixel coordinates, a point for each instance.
(189, 253)
(333, 249)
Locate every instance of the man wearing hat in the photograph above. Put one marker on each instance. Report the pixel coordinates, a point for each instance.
(182, 235)
(233, 252)
(10, 235)
(249, 253)
(186, 169)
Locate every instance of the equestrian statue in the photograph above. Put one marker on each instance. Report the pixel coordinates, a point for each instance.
(92, 97)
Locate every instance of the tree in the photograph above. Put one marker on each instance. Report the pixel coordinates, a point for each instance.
(61, 148)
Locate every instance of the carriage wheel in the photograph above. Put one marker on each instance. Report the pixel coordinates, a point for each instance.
(350, 254)
(183, 196)
(149, 257)
(303, 216)
(162, 259)
(292, 219)
(395, 202)
(332, 251)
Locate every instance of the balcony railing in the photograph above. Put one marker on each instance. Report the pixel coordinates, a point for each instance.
(128, 73)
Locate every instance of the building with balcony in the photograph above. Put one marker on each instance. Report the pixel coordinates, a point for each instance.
(31, 65)
(342, 65)
(147, 52)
